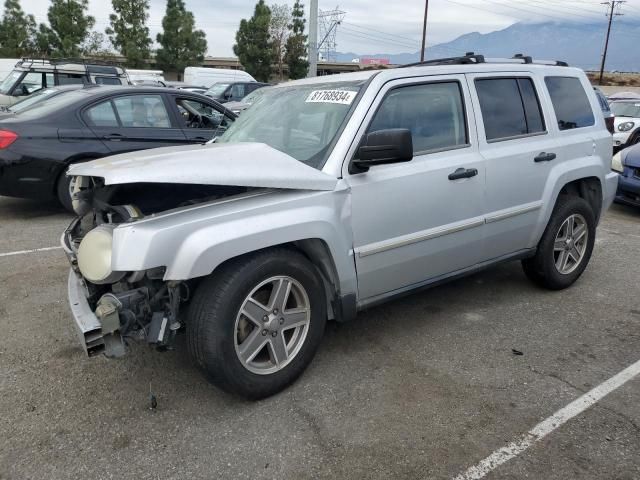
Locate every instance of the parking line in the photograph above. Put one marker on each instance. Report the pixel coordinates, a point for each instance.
(548, 425)
(34, 250)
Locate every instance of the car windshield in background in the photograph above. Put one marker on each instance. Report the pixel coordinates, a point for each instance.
(626, 109)
(253, 96)
(9, 81)
(300, 121)
(217, 89)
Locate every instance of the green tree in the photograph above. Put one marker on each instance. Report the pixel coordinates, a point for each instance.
(128, 31)
(181, 45)
(296, 48)
(253, 43)
(17, 31)
(279, 32)
(69, 26)
(96, 46)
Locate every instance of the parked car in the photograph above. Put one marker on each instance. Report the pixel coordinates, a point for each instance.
(627, 124)
(39, 96)
(330, 195)
(31, 75)
(609, 117)
(39, 143)
(627, 163)
(241, 105)
(208, 76)
(233, 92)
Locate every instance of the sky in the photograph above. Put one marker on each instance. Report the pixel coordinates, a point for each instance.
(373, 26)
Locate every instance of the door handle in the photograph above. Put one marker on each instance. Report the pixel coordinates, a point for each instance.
(463, 173)
(545, 157)
(116, 137)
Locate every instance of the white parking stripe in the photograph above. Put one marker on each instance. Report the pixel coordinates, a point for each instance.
(35, 250)
(547, 426)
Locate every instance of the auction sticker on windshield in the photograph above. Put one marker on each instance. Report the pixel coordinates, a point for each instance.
(344, 97)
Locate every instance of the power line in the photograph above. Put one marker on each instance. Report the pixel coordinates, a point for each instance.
(613, 4)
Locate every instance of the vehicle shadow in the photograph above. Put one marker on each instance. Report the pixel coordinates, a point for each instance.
(23, 209)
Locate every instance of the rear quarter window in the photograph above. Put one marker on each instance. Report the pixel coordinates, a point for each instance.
(570, 102)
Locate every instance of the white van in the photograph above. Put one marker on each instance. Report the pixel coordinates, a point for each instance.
(206, 77)
(146, 77)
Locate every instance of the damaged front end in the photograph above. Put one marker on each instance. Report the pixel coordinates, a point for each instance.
(113, 308)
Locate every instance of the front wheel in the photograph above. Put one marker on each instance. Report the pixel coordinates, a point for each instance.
(566, 245)
(255, 325)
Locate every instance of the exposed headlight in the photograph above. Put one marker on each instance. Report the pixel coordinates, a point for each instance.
(94, 256)
(625, 126)
(616, 163)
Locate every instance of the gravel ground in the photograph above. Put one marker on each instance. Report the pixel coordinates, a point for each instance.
(419, 388)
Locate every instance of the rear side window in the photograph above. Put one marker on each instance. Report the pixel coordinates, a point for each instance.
(70, 79)
(570, 102)
(108, 81)
(102, 115)
(510, 107)
(433, 112)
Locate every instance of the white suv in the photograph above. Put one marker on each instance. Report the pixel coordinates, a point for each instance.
(330, 195)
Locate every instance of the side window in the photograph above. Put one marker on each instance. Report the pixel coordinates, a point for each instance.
(49, 79)
(102, 115)
(108, 81)
(237, 91)
(570, 102)
(509, 107)
(70, 79)
(142, 111)
(32, 82)
(433, 112)
(197, 114)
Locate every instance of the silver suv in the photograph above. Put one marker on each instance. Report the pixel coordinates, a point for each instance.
(330, 195)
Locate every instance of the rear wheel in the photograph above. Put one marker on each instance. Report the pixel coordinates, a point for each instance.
(566, 245)
(255, 325)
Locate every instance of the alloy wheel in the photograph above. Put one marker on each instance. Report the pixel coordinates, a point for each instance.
(570, 244)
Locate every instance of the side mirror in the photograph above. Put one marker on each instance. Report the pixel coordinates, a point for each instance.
(393, 145)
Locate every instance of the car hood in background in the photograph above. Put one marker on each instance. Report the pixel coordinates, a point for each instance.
(236, 164)
(631, 156)
(620, 120)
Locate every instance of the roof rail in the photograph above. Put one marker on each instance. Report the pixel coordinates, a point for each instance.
(467, 58)
(472, 58)
(81, 61)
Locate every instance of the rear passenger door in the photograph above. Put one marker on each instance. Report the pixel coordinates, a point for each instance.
(134, 122)
(519, 150)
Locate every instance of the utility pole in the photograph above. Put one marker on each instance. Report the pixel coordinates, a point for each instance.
(424, 30)
(612, 4)
(313, 39)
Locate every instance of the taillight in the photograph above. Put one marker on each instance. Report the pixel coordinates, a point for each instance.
(7, 137)
(610, 124)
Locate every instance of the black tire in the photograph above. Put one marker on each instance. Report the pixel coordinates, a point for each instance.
(62, 192)
(541, 268)
(212, 316)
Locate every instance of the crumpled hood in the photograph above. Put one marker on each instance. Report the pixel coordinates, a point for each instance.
(236, 164)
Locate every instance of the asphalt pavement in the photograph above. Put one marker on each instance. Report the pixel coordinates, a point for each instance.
(421, 388)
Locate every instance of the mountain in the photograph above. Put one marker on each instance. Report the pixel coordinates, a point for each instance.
(580, 44)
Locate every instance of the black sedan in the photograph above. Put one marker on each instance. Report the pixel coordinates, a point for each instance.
(38, 144)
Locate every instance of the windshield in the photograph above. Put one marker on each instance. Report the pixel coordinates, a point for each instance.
(217, 89)
(9, 81)
(301, 120)
(253, 96)
(626, 109)
(33, 99)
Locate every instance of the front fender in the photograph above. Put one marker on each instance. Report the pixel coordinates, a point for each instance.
(193, 243)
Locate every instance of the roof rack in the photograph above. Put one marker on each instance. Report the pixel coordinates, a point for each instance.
(81, 61)
(472, 58)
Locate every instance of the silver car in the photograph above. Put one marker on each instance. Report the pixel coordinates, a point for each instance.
(330, 195)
